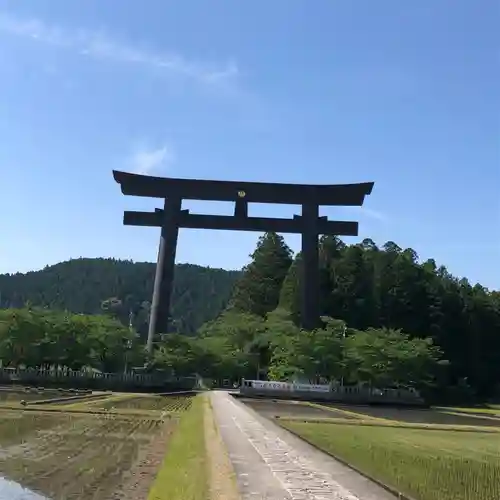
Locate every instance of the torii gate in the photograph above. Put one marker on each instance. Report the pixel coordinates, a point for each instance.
(172, 217)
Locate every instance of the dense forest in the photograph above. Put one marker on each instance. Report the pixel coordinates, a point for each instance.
(122, 288)
(388, 319)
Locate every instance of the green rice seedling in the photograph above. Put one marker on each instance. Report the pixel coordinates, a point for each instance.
(424, 464)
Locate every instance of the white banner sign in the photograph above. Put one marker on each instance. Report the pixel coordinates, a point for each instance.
(311, 387)
(267, 384)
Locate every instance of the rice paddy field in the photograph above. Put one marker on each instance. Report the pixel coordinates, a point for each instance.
(283, 409)
(438, 454)
(146, 402)
(77, 452)
(444, 416)
(17, 395)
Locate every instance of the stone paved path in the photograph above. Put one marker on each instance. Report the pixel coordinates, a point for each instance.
(272, 464)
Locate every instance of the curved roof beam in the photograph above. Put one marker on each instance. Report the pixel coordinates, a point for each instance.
(256, 192)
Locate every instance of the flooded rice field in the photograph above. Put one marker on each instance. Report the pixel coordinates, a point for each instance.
(418, 416)
(15, 396)
(490, 413)
(14, 491)
(81, 457)
(84, 455)
(279, 408)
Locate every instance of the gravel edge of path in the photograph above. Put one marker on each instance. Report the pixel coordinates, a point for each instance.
(222, 478)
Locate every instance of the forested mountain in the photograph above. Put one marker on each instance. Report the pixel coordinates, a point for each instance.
(389, 319)
(121, 287)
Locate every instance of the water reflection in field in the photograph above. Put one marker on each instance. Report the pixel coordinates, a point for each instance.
(272, 408)
(14, 491)
(419, 416)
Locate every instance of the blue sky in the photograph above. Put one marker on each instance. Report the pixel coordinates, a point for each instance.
(406, 94)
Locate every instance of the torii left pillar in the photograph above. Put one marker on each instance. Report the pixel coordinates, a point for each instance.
(165, 266)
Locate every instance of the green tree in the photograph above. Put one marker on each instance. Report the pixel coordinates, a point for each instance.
(258, 289)
(240, 336)
(41, 337)
(179, 354)
(313, 355)
(290, 295)
(385, 357)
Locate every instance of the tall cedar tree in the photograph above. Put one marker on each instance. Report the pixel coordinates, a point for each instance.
(330, 248)
(258, 289)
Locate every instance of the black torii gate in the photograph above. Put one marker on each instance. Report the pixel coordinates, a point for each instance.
(172, 217)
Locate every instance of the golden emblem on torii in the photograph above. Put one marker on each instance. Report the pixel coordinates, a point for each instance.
(241, 194)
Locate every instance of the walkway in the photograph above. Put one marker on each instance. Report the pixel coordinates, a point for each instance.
(272, 464)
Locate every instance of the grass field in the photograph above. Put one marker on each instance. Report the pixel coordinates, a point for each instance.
(66, 455)
(422, 463)
(183, 474)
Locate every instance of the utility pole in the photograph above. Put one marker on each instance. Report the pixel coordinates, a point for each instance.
(128, 345)
(344, 331)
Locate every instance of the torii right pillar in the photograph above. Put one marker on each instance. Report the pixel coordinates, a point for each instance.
(310, 314)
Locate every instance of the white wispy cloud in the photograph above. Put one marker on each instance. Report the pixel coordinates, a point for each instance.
(374, 214)
(367, 212)
(100, 45)
(151, 161)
